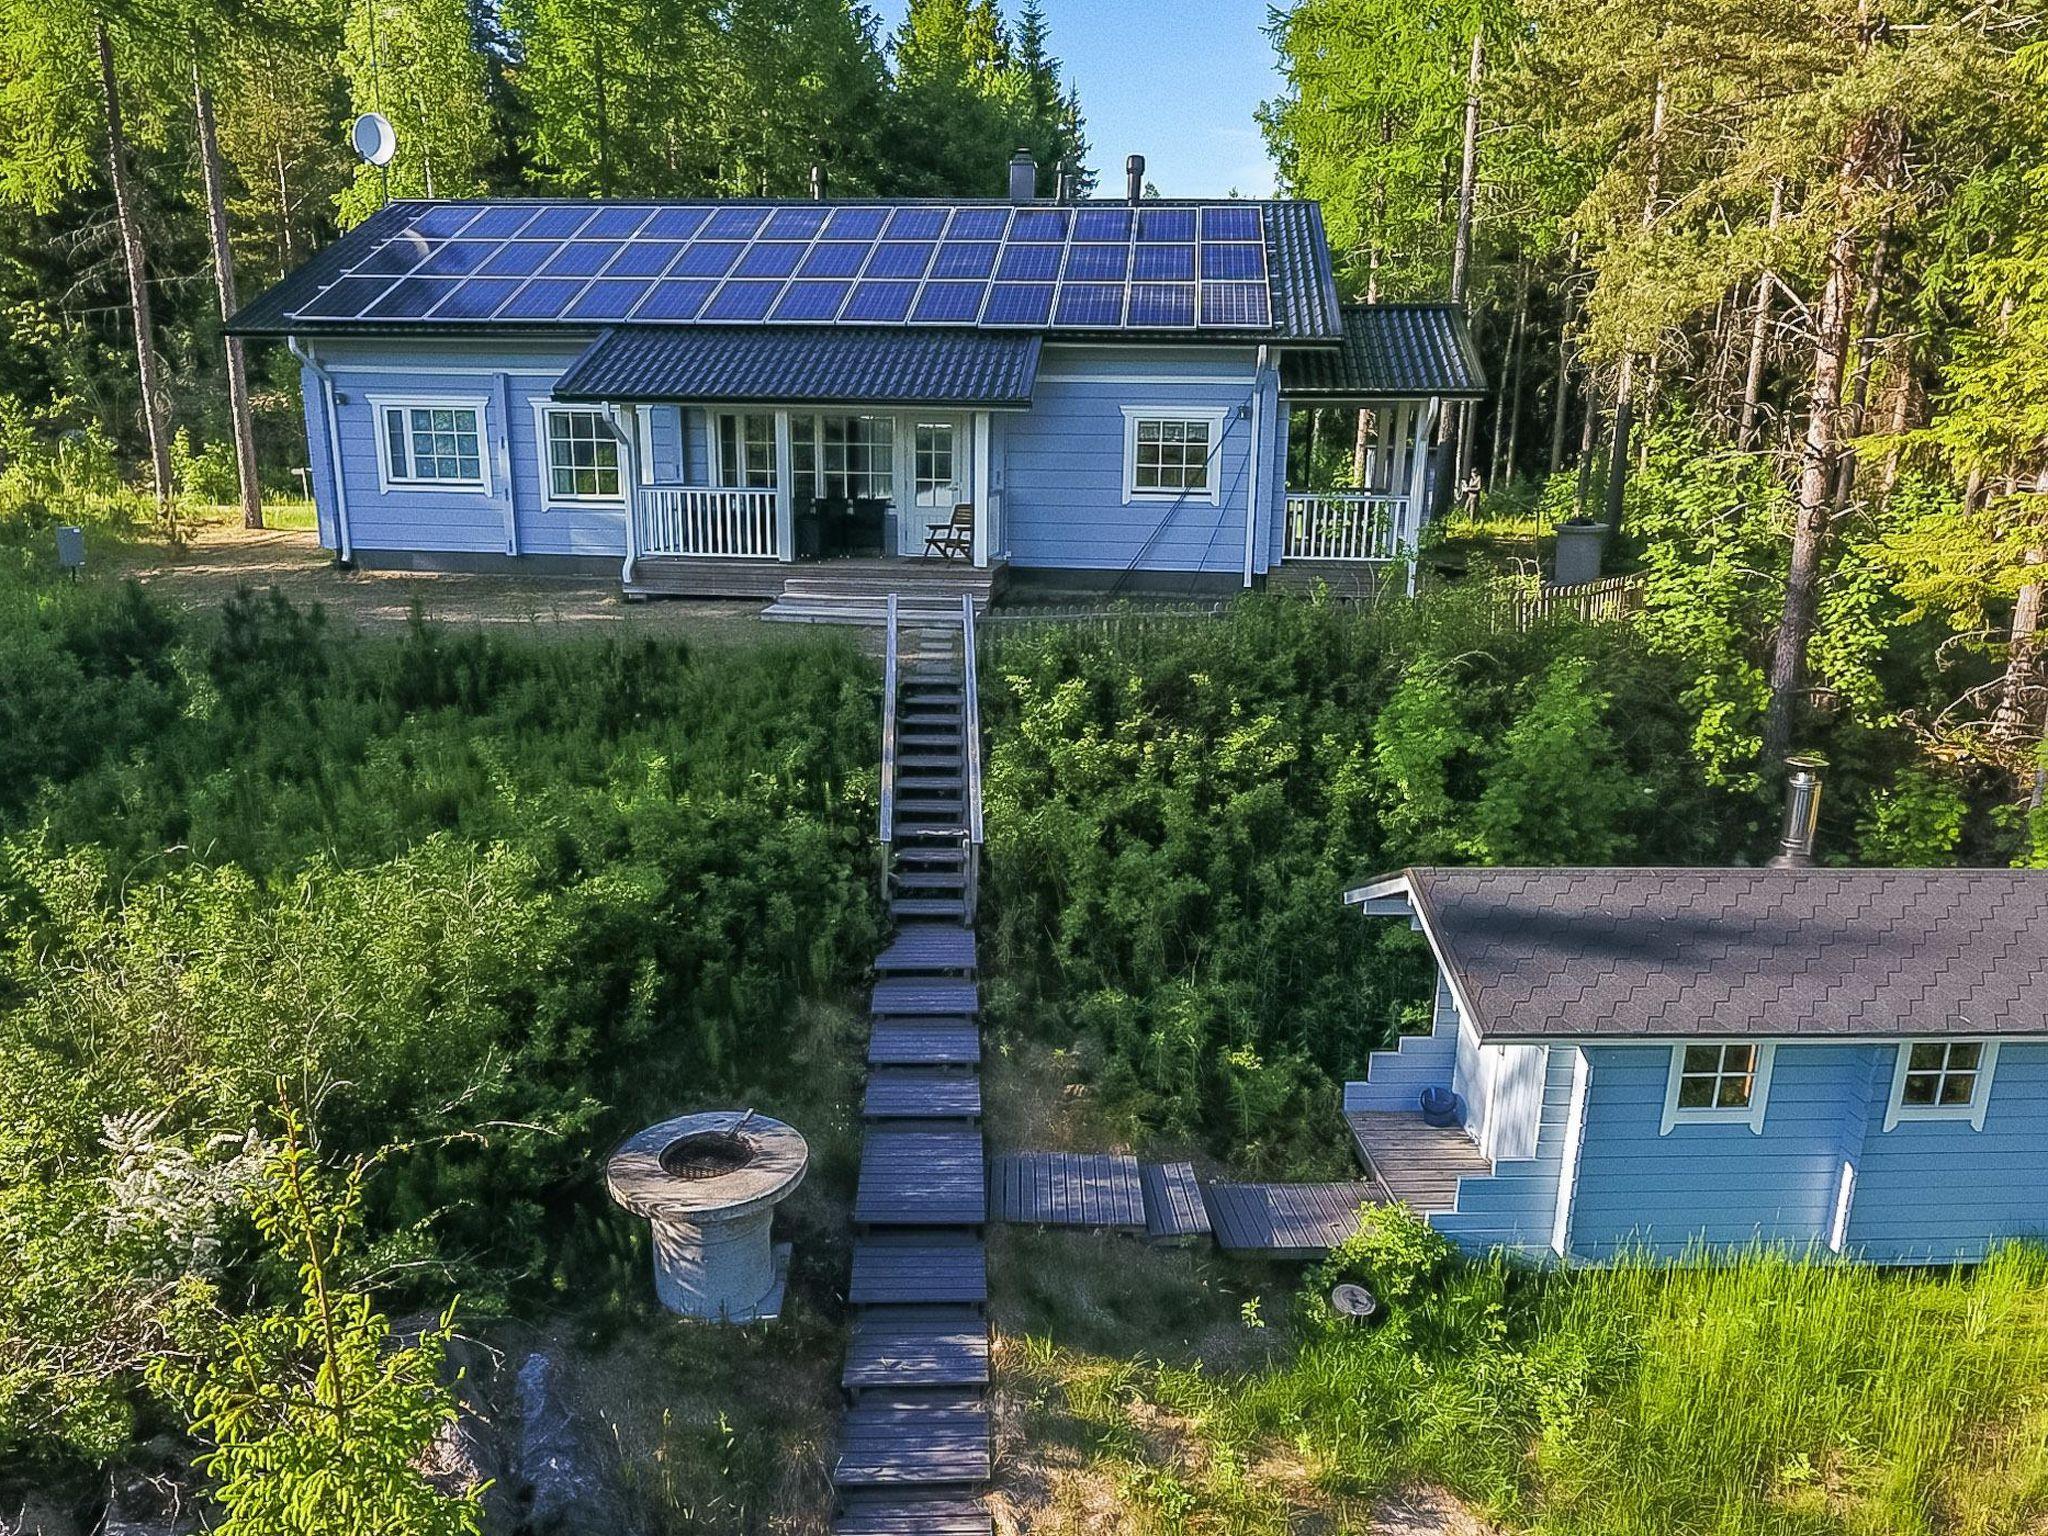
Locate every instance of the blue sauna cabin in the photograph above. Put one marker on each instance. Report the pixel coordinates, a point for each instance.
(1665, 1061)
(704, 397)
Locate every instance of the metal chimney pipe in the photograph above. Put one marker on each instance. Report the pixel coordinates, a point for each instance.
(1023, 177)
(1063, 184)
(1802, 813)
(818, 183)
(1134, 177)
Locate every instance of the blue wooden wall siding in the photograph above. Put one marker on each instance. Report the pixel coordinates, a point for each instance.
(1064, 462)
(1395, 1079)
(1517, 1208)
(510, 376)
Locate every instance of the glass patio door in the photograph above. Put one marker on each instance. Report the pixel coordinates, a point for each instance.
(938, 482)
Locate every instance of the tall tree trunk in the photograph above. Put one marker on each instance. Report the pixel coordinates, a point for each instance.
(1759, 335)
(154, 414)
(2020, 708)
(215, 182)
(1866, 349)
(1589, 438)
(1561, 396)
(1624, 388)
(1814, 512)
(1379, 217)
(1468, 171)
(1315, 448)
(1361, 449)
(1508, 398)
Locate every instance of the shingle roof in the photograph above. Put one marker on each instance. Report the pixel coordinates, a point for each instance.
(1390, 350)
(847, 367)
(1298, 268)
(1656, 953)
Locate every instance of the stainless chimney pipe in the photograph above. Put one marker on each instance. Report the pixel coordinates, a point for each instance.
(1802, 812)
(1134, 177)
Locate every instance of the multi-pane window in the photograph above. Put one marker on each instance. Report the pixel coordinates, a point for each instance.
(1941, 1075)
(746, 450)
(1170, 455)
(857, 456)
(438, 445)
(1718, 1077)
(934, 459)
(582, 457)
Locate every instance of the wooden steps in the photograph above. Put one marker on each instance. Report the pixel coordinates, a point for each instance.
(929, 948)
(886, 1515)
(924, 1043)
(909, 1093)
(921, 1274)
(914, 1439)
(921, 1178)
(895, 1347)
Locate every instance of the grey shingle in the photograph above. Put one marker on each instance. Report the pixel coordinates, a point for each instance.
(1647, 952)
(1389, 350)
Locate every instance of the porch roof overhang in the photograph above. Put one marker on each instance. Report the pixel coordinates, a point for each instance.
(1389, 352)
(866, 366)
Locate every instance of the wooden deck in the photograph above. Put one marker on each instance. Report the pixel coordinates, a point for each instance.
(924, 1043)
(867, 576)
(1068, 1189)
(1285, 1220)
(893, 1274)
(1173, 1202)
(928, 948)
(924, 997)
(894, 1347)
(921, 1179)
(916, 1093)
(1412, 1162)
(914, 1439)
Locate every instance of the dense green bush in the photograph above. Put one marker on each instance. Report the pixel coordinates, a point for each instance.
(493, 902)
(1175, 807)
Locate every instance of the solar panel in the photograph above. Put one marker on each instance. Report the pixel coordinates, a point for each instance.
(942, 302)
(880, 301)
(1018, 304)
(810, 299)
(1093, 267)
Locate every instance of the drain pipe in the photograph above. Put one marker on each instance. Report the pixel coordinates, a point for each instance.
(1258, 456)
(629, 481)
(344, 544)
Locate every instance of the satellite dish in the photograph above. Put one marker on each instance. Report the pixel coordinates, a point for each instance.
(374, 138)
(1354, 1301)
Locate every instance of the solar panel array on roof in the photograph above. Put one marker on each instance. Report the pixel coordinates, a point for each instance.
(1090, 267)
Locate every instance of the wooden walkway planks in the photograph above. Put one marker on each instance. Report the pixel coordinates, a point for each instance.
(921, 1179)
(882, 1515)
(1415, 1162)
(1068, 1189)
(1173, 1201)
(917, 1347)
(928, 1439)
(924, 1043)
(929, 947)
(924, 997)
(1291, 1220)
(918, 1274)
(904, 1093)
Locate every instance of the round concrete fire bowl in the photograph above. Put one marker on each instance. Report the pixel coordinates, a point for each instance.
(710, 1183)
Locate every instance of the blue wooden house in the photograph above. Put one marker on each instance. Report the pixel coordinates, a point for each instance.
(712, 397)
(1850, 1061)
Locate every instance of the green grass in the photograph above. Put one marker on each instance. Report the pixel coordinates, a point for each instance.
(1773, 1394)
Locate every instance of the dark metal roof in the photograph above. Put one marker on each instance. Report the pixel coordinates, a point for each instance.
(1298, 277)
(1389, 350)
(847, 367)
(1658, 953)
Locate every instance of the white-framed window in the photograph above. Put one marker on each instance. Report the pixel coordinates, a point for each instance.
(579, 457)
(857, 456)
(934, 461)
(1942, 1080)
(433, 443)
(1718, 1082)
(746, 450)
(1171, 452)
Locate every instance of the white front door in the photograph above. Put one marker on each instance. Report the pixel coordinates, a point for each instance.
(938, 473)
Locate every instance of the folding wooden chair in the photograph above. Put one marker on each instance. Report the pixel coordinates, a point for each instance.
(954, 541)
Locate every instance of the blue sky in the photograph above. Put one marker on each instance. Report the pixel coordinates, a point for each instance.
(1173, 80)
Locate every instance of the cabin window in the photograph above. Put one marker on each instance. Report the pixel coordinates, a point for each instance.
(581, 456)
(1722, 1082)
(1171, 453)
(432, 444)
(746, 450)
(1942, 1080)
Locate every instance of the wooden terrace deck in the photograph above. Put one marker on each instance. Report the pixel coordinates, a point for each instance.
(1412, 1162)
(1286, 1220)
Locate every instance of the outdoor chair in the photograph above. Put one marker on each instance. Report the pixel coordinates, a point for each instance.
(955, 540)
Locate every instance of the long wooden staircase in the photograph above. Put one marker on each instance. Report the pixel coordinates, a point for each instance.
(914, 1450)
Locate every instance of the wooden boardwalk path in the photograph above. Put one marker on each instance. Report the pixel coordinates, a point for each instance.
(914, 1447)
(1068, 1189)
(1297, 1221)
(1173, 1202)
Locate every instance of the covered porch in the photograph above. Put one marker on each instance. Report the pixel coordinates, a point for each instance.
(748, 452)
(1363, 423)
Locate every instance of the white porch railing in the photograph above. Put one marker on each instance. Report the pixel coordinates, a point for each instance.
(1344, 525)
(698, 520)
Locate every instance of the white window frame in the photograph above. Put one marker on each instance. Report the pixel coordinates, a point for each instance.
(734, 477)
(542, 410)
(1213, 416)
(1750, 1114)
(388, 478)
(1898, 1111)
